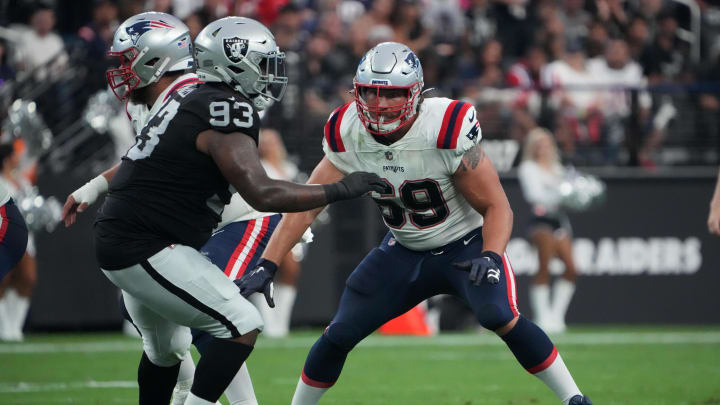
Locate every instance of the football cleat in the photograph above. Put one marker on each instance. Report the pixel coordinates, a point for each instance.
(580, 400)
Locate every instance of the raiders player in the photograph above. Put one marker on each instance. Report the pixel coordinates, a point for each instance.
(168, 192)
(447, 214)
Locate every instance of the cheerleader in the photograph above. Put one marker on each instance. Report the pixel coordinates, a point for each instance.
(540, 175)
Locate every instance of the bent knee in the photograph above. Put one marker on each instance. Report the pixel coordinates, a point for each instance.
(343, 335)
(493, 317)
(167, 352)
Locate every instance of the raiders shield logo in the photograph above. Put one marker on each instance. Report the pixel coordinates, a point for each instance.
(235, 48)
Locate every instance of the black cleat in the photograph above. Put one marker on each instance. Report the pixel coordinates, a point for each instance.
(580, 400)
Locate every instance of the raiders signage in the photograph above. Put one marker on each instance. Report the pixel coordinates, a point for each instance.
(235, 48)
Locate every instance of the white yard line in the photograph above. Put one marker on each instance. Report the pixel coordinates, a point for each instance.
(22, 387)
(485, 339)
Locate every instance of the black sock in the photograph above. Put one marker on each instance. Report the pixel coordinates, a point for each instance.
(217, 367)
(156, 383)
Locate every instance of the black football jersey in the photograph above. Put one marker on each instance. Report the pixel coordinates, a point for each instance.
(165, 190)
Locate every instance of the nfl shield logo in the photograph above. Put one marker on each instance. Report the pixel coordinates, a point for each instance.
(388, 155)
(235, 48)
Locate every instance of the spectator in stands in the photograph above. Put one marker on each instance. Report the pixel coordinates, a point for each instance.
(576, 100)
(708, 127)
(526, 95)
(379, 14)
(97, 38)
(597, 39)
(40, 51)
(6, 71)
(665, 61)
(638, 36)
(540, 175)
(620, 77)
(197, 20)
(576, 20)
(408, 26)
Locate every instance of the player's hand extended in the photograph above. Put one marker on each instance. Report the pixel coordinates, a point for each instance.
(486, 267)
(259, 279)
(82, 198)
(714, 219)
(354, 185)
(71, 209)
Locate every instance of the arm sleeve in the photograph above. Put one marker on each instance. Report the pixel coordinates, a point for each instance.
(470, 135)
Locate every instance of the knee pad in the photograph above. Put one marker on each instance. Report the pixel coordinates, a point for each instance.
(169, 351)
(342, 335)
(493, 317)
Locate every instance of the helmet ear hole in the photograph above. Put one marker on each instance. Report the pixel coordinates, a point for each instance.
(152, 62)
(237, 70)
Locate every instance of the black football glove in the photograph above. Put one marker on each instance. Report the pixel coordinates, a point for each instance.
(354, 185)
(259, 279)
(486, 267)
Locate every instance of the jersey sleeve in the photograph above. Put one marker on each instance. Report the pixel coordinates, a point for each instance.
(460, 131)
(221, 111)
(333, 144)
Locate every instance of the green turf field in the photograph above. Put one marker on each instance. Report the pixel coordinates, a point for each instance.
(618, 365)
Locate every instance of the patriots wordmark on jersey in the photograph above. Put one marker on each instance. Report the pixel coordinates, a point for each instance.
(166, 191)
(420, 204)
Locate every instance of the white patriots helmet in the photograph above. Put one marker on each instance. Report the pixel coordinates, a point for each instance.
(389, 65)
(148, 45)
(243, 53)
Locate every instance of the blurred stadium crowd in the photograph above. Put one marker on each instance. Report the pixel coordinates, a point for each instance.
(618, 82)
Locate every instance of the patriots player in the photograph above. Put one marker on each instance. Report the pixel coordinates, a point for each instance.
(13, 233)
(447, 213)
(167, 194)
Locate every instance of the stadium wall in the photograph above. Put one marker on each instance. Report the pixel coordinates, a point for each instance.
(644, 257)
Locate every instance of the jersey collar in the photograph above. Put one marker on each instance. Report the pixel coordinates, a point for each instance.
(181, 81)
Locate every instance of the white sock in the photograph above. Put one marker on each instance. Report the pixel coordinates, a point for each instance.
(284, 302)
(240, 391)
(4, 321)
(306, 394)
(267, 313)
(193, 399)
(16, 311)
(540, 304)
(184, 380)
(557, 377)
(563, 291)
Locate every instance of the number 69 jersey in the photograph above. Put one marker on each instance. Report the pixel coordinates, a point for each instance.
(420, 205)
(166, 191)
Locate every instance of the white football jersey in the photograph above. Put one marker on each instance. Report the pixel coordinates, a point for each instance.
(4, 193)
(421, 205)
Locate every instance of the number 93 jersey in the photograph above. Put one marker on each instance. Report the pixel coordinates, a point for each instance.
(166, 191)
(420, 204)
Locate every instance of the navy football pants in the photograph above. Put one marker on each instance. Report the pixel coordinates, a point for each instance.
(393, 279)
(13, 237)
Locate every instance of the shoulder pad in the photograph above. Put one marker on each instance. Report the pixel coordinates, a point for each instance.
(451, 124)
(332, 129)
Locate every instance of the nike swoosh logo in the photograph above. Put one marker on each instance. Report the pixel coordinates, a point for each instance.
(473, 116)
(465, 242)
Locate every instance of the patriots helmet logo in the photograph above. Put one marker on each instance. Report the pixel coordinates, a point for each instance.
(235, 48)
(139, 28)
(412, 60)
